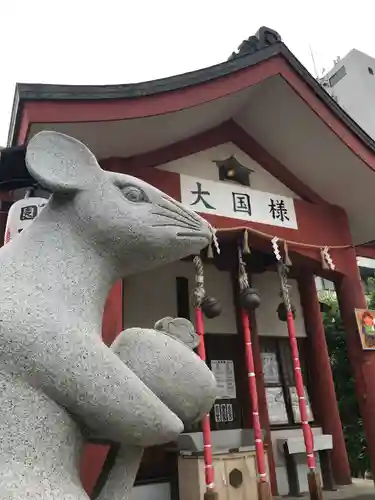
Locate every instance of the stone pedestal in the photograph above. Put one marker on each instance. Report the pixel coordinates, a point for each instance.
(235, 476)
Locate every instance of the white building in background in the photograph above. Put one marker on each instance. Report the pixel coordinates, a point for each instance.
(366, 270)
(351, 82)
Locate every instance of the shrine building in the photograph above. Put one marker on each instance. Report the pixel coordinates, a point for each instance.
(259, 149)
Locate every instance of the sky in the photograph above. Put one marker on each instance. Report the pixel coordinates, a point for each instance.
(120, 41)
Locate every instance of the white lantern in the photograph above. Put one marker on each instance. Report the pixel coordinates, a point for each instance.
(21, 214)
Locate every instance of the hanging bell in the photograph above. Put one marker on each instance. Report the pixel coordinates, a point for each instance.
(282, 312)
(249, 299)
(211, 307)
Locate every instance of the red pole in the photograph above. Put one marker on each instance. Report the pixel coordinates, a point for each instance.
(313, 477)
(259, 449)
(206, 427)
(282, 271)
(307, 434)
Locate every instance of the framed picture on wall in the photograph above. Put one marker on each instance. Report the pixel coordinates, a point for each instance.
(223, 371)
(366, 328)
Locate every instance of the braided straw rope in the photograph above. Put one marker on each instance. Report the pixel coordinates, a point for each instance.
(199, 291)
(289, 242)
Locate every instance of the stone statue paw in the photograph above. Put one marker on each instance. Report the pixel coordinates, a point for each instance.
(179, 328)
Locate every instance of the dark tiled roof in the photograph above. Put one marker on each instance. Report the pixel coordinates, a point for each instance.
(264, 45)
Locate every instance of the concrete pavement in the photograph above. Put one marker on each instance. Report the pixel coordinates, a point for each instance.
(361, 489)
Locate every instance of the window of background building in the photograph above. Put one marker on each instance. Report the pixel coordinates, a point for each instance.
(279, 382)
(367, 276)
(323, 284)
(336, 77)
(367, 271)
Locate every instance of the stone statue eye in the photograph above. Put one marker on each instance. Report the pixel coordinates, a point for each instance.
(134, 194)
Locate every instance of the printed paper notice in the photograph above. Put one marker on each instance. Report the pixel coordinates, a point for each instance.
(276, 406)
(270, 368)
(223, 371)
(295, 405)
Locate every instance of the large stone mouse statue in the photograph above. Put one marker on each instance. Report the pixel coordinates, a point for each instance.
(56, 374)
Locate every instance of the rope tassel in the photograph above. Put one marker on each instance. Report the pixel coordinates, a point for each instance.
(210, 252)
(215, 241)
(275, 248)
(323, 259)
(287, 260)
(199, 291)
(328, 259)
(246, 247)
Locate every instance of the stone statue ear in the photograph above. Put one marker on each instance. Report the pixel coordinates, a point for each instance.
(60, 163)
(163, 324)
(179, 328)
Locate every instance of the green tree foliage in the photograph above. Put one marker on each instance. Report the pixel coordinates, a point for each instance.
(345, 390)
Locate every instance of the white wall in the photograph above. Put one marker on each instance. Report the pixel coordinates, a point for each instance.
(152, 295)
(202, 165)
(355, 92)
(154, 491)
(267, 321)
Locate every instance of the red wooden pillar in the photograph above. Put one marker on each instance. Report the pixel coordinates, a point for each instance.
(350, 296)
(323, 390)
(94, 455)
(113, 314)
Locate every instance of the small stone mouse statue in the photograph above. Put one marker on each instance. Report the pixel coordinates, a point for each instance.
(56, 374)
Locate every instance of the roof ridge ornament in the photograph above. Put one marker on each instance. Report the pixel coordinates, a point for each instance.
(263, 38)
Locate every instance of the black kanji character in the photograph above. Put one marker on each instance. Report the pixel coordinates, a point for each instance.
(278, 210)
(29, 212)
(241, 203)
(200, 195)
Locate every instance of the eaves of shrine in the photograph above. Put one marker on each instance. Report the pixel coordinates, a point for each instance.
(262, 99)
